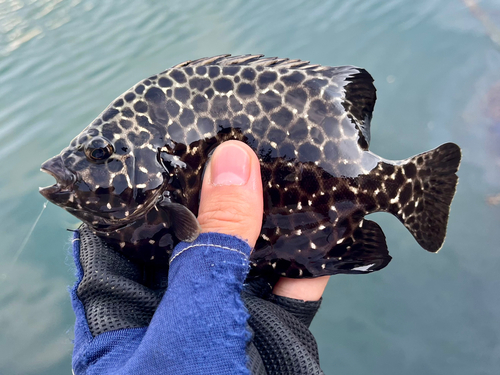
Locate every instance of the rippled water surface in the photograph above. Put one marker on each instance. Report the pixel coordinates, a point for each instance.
(437, 69)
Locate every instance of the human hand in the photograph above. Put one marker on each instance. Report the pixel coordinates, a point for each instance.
(231, 203)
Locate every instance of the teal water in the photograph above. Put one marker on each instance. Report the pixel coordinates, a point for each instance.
(437, 69)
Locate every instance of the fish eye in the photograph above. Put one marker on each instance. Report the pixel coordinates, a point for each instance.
(98, 149)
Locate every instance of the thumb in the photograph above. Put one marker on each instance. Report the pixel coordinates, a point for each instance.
(231, 196)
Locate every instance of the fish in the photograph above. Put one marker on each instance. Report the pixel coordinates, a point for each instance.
(134, 175)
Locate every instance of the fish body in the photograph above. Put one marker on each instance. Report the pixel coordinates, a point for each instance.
(134, 174)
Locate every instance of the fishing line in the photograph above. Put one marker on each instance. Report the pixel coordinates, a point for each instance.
(26, 239)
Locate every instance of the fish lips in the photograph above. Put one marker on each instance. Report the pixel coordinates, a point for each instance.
(62, 190)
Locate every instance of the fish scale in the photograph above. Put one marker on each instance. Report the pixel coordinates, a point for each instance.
(134, 175)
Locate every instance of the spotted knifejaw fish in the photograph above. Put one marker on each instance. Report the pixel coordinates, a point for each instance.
(134, 174)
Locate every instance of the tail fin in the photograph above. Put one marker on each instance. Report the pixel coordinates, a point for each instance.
(423, 205)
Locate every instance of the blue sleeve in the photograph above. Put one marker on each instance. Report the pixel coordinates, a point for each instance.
(200, 326)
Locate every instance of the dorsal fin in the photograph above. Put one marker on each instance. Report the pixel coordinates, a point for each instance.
(254, 61)
(360, 97)
(356, 83)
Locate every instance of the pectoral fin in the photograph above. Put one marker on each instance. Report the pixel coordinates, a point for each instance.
(184, 223)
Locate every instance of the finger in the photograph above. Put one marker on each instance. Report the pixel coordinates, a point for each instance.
(303, 289)
(231, 196)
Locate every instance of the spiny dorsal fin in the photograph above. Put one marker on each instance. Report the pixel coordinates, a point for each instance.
(357, 83)
(254, 61)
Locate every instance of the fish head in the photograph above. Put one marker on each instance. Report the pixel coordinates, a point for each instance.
(104, 178)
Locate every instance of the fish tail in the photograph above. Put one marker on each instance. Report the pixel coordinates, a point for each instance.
(424, 198)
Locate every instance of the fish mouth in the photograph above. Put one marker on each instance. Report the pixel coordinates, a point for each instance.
(64, 180)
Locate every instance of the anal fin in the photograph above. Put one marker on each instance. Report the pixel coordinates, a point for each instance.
(364, 252)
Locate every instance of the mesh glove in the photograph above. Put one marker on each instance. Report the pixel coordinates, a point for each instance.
(198, 325)
(115, 300)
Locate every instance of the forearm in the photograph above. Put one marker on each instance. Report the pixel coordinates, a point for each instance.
(202, 314)
(198, 327)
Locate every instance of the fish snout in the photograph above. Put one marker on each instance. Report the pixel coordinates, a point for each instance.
(55, 167)
(64, 177)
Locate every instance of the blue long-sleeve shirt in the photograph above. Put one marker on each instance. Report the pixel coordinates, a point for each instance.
(199, 327)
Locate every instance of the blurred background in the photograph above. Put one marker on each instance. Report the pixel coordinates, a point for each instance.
(436, 65)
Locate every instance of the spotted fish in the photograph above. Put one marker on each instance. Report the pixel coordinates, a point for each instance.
(134, 174)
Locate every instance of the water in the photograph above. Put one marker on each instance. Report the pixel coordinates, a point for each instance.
(437, 70)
